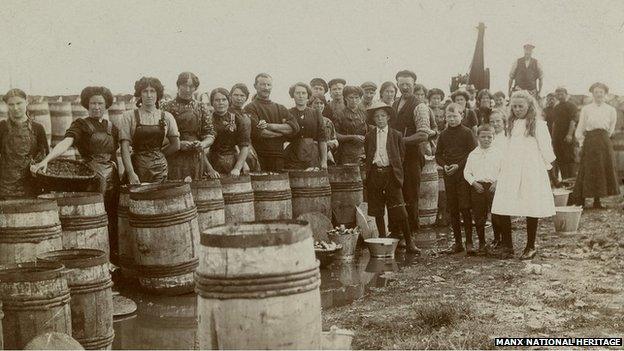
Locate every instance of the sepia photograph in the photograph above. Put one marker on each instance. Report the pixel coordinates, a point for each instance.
(311, 175)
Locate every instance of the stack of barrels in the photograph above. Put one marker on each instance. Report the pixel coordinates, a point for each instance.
(346, 192)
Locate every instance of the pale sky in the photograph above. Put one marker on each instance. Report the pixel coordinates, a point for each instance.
(58, 47)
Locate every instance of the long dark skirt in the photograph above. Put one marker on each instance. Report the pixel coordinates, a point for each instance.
(596, 176)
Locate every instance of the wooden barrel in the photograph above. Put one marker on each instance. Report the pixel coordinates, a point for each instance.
(238, 198)
(78, 111)
(35, 300)
(258, 287)
(346, 192)
(311, 192)
(428, 194)
(83, 220)
(91, 303)
(124, 236)
(272, 197)
(28, 227)
(618, 149)
(363, 176)
(116, 111)
(40, 113)
(1, 334)
(165, 233)
(61, 118)
(442, 218)
(4, 110)
(208, 198)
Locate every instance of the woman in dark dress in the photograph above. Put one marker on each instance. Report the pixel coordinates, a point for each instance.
(231, 130)
(239, 94)
(484, 106)
(196, 132)
(97, 141)
(469, 118)
(351, 128)
(308, 148)
(22, 141)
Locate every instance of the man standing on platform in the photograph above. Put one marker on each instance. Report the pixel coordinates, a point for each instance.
(369, 89)
(565, 118)
(405, 122)
(270, 125)
(337, 103)
(527, 73)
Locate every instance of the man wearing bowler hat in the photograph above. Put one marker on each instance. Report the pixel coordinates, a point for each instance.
(526, 73)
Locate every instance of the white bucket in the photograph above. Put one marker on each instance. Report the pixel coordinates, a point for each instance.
(567, 219)
(561, 197)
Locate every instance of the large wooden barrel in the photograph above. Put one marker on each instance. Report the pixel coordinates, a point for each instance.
(4, 110)
(124, 236)
(165, 233)
(442, 218)
(428, 194)
(238, 198)
(61, 118)
(258, 287)
(91, 303)
(208, 198)
(83, 220)
(346, 192)
(28, 227)
(116, 111)
(39, 112)
(311, 192)
(36, 300)
(618, 148)
(1, 334)
(272, 197)
(363, 175)
(78, 111)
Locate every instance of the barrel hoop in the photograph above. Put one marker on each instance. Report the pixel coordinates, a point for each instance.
(97, 342)
(311, 192)
(162, 191)
(30, 234)
(29, 206)
(76, 258)
(427, 212)
(167, 270)
(162, 220)
(429, 177)
(238, 198)
(346, 186)
(272, 195)
(257, 288)
(75, 223)
(235, 180)
(276, 238)
(86, 288)
(38, 112)
(122, 211)
(204, 206)
(29, 303)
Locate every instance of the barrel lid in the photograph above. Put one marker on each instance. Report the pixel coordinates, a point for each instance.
(301, 173)
(234, 180)
(75, 258)
(31, 271)
(159, 191)
(260, 176)
(206, 183)
(73, 198)
(256, 234)
(27, 205)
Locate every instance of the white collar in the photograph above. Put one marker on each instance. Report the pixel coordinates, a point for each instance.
(382, 130)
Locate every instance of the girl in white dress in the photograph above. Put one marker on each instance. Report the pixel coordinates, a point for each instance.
(523, 187)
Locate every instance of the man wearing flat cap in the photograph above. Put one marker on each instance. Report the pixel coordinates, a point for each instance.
(319, 87)
(337, 103)
(526, 73)
(369, 89)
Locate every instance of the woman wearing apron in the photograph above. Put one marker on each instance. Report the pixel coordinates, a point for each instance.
(232, 129)
(196, 131)
(308, 148)
(97, 140)
(351, 128)
(239, 94)
(147, 129)
(22, 141)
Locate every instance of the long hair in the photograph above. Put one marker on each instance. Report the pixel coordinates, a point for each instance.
(531, 115)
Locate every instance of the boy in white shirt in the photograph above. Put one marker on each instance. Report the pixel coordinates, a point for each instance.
(481, 172)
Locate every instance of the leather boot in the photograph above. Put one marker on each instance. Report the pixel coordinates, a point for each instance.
(410, 247)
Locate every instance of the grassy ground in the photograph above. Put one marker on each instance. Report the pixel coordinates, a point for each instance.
(573, 288)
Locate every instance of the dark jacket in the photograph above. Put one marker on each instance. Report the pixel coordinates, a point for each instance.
(394, 147)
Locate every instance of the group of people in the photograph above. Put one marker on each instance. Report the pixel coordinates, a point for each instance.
(506, 173)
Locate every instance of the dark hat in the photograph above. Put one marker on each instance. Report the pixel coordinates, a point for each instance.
(319, 81)
(368, 85)
(460, 92)
(529, 45)
(405, 73)
(336, 81)
(561, 89)
(370, 111)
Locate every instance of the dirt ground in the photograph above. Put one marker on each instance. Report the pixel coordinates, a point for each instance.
(573, 288)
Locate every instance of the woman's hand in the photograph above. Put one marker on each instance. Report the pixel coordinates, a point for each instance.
(324, 165)
(185, 145)
(478, 187)
(41, 166)
(359, 138)
(213, 174)
(133, 178)
(235, 172)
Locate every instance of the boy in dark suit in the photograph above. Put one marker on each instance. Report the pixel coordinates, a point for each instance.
(385, 152)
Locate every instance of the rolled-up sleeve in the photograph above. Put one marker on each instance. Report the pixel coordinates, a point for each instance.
(243, 130)
(252, 113)
(512, 73)
(207, 126)
(172, 126)
(125, 126)
(320, 128)
(289, 119)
